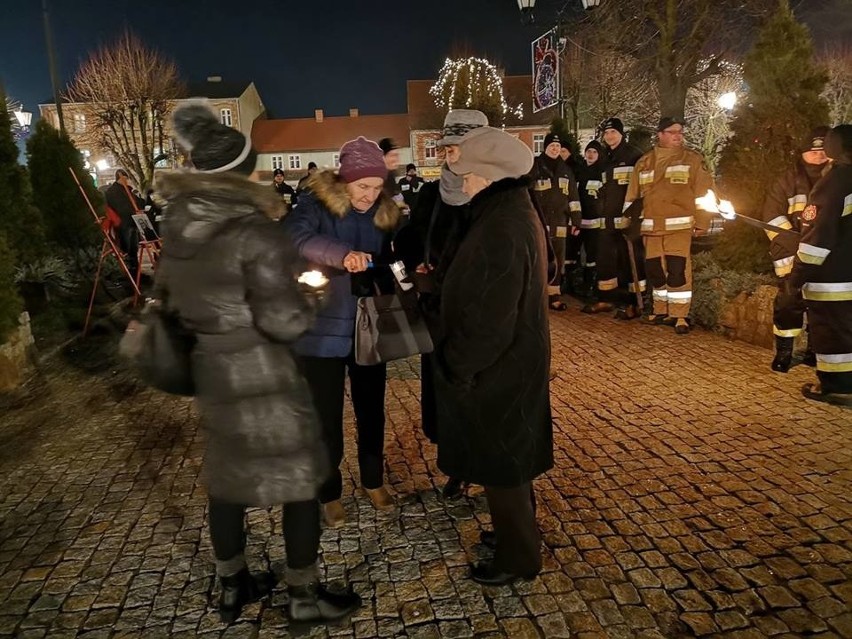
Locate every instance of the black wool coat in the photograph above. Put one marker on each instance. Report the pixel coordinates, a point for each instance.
(492, 384)
(230, 272)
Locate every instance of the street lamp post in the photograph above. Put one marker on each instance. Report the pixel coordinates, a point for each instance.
(24, 119)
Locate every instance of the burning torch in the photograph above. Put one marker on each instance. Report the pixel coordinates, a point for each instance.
(725, 208)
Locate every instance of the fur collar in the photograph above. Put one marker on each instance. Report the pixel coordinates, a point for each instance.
(171, 185)
(330, 191)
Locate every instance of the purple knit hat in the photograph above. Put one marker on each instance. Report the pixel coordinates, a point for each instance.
(361, 158)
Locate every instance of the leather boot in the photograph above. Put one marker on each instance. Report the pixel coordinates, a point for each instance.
(597, 307)
(242, 589)
(783, 354)
(313, 603)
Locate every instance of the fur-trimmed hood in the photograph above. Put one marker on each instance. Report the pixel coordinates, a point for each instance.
(330, 191)
(198, 205)
(171, 185)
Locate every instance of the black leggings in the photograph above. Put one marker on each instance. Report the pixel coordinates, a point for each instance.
(327, 377)
(301, 531)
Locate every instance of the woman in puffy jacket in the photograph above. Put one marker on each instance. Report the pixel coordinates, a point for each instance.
(230, 273)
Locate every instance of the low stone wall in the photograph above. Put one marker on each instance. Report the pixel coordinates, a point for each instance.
(16, 355)
(748, 318)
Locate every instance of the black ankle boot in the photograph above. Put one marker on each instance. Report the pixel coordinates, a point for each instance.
(455, 488)
(783, 354)
(314, 603)
(241, 589)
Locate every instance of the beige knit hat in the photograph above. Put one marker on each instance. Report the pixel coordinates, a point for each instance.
(493, 154)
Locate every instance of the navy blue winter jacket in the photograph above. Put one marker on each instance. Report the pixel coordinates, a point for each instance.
(324, 228)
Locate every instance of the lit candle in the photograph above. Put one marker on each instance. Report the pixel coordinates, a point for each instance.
(314, 279)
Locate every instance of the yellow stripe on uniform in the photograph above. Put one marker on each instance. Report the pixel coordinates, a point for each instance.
(680, 297)
(786, 332)
(847, 205)
(810, 254)
(608, 285)
(784, 266)
(796, 204)
(834, 363)
(827, 291)
(679, 223)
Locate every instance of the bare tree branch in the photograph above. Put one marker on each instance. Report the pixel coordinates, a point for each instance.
(126, 90)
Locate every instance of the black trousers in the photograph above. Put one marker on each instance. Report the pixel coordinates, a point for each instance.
(615, 276)
(327, 378)
(788, 311)
(518, 538)
(301, 531)
(830, 337)
(586, 241)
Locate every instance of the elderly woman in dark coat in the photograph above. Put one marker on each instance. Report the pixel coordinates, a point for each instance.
(228, 271)
(494, 421)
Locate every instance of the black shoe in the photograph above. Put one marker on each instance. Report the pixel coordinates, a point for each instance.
(627, 313)
(816, 393)
(241, 589)
(454, 489)
(655, 320)
(597, 307)
(681, 327)
(783, 354)
(488, 538)
(315, 604)
(487, 574)
(809, 358)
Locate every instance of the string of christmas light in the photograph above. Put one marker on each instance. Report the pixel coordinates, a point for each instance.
(473, 80)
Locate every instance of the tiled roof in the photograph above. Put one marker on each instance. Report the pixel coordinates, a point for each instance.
(306, 134)
(517, 89)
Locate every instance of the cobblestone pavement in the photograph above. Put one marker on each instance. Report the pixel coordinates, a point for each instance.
(695, 494)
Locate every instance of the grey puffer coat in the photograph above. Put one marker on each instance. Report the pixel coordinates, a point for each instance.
(230, 271)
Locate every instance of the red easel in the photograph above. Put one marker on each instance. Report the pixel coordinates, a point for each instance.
(147, 248)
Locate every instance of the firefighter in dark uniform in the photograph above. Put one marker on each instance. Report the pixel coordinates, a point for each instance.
(614, 274)
(783, 208)
(284, 190)
(554, 190)
(590, 175)
(823, 269)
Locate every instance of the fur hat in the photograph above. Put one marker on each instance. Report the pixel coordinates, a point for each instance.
(668, 121)
(493, 154)
(459, 122)
(613, 123)
(213, 147)
(361, 158)
(550, 138)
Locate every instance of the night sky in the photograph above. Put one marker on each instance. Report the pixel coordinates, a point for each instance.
(330, 54)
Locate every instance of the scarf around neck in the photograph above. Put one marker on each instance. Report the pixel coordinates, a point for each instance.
(450, 186)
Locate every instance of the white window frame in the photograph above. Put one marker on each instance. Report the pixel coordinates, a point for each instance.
(226, 117)
(277, 162)
(430, 148)
(79, 123)
(538, 143)
(294, 162)
(335, 160)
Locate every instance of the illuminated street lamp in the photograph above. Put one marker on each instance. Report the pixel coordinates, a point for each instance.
(727, 101)
(102, 165)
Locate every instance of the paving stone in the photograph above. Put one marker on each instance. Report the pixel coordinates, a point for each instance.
(674, 514)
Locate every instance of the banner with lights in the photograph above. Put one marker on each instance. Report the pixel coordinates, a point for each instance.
(545, 71)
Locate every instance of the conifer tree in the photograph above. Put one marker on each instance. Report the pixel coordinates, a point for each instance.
(67, 220)
(19, 219)
(783, 104)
